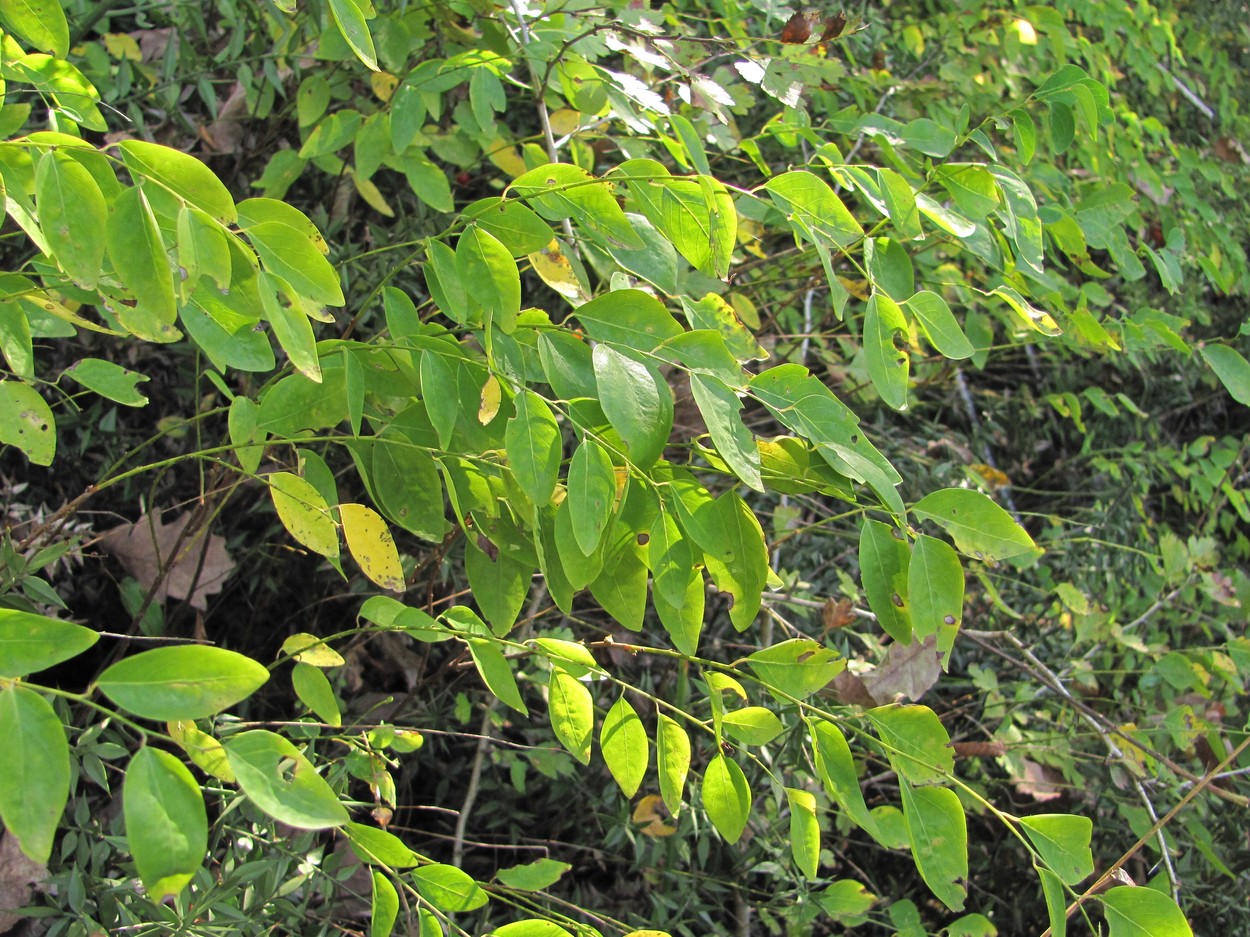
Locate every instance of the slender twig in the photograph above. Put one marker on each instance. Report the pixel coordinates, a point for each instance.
(1163, 821)
(475, 776)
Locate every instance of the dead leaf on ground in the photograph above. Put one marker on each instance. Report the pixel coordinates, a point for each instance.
(648, 812)
(906, 673)
(1039, 782)
(147, 547)
(18, 878)
(850, 691)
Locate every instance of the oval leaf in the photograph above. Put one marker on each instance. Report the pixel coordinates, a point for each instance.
(372, 546)
(726, 797)
(304, 513)
(183, 682)
(282, 782)
(625, 747)
(166, 823)
(34, 786)
(978, 526)
(30, 643)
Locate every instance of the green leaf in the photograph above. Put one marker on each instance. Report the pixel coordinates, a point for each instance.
(972, 186)
(938, 832)
(428, 181)
(885, 347)
(630, 318)
(622, 588)
(405, 476)
(696, 214)
(499, 582)
(721, 407)
(572, 714)
(752, 725)
(900, 200)
(533, 876)
(516, 226)
(890, 268)
(1062, 840)
(798, 667)
(378, 847)
(563, 191)
(1020, 220)
(304, 513)
(314, 691)
(929, 137)
(310, 649)
(34, 785)
(490, 277)
(15, 339)
(350, 19)
(637, 402)
(684, 621)
(726, 797)
(181, 175)
(1037, 319)
(166, 823)
(181, 682)
(672, 758)
(448, 888)
(1231, 368)
(940, 325)
(935, 588)
(40, 22)
(291, 326)
(848, 902)
(532, 438)
(138, 254)
(836, 769)
(809, 203)
(883, 568)
(385, 904)
(734, 553)
(291, 247)
(282, 782)
(30, 643)
(626, 750)
(916, 743)
(1056, 902)
(1025, 132)
(978, 526)
(26, 422)
(531, 928)
(72, 213)
(971, 925)
(591, 494)
(109, 380)
(205, 752)
(496, 673)
(1143, 912)
(804, 831)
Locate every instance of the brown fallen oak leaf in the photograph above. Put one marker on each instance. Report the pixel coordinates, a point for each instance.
(194, 566)
(18, 878)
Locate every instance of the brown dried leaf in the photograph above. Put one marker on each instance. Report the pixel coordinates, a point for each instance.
(850, 691)
(195, 566)
(797, 29)
(1039, 782)
(907, 671)
(837, 613)
(18, 876)
(833, 27)
(978, 749)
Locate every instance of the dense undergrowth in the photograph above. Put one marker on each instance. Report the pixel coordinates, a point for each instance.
(671, 439)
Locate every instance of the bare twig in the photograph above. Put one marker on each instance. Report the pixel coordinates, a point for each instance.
(475, 776)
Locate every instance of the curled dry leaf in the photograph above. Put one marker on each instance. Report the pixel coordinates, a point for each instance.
(648, 812)
(194, 566)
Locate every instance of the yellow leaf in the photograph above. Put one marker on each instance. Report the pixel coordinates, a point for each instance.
(556, 271)
(492, 395)
(372, 196)
(751, 236)
(372, 546)
(565, 121)
(506, 157)
(204, 751)
(383, 84)
(857, 288)
(123, 46)
(647, 812)
(991, 476)
(312, 650)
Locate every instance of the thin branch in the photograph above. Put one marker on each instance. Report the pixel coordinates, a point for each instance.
(475, 776)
